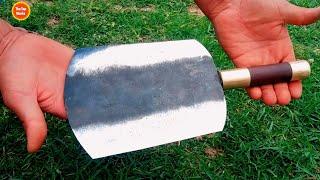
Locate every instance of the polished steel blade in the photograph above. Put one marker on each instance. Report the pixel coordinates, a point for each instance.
(131, 97)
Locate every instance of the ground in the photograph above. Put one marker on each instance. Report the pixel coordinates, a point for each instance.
(257, 142)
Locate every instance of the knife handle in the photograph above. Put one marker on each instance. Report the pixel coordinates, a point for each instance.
(266, 74)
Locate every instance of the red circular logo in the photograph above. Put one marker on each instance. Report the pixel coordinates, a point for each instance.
(21, 11)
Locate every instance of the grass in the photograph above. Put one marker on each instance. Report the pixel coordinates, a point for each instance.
(258, 142)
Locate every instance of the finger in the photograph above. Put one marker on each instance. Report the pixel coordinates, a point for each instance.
(295, 88)
(282, 93)
(254, 92)
(298, 15)
(268, 95)
(31, 116)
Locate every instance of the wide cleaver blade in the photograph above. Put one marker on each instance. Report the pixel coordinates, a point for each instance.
(130, 97)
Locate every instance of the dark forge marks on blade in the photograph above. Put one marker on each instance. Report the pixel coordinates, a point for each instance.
(123, 93)
(119, 94)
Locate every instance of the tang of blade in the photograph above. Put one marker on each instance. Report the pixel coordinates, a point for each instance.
(130, 97)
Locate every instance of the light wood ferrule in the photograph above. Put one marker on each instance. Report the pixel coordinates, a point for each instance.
(300, 70)
(235, 78)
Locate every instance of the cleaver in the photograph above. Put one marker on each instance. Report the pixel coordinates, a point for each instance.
(125, 98)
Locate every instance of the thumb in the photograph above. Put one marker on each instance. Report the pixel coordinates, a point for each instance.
(296, 15)
(27, 109)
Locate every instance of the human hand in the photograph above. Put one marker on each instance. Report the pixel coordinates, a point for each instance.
(32, 76)
(254, 32)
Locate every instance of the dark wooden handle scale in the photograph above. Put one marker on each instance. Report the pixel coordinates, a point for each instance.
(267, 74)
(270, 74)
